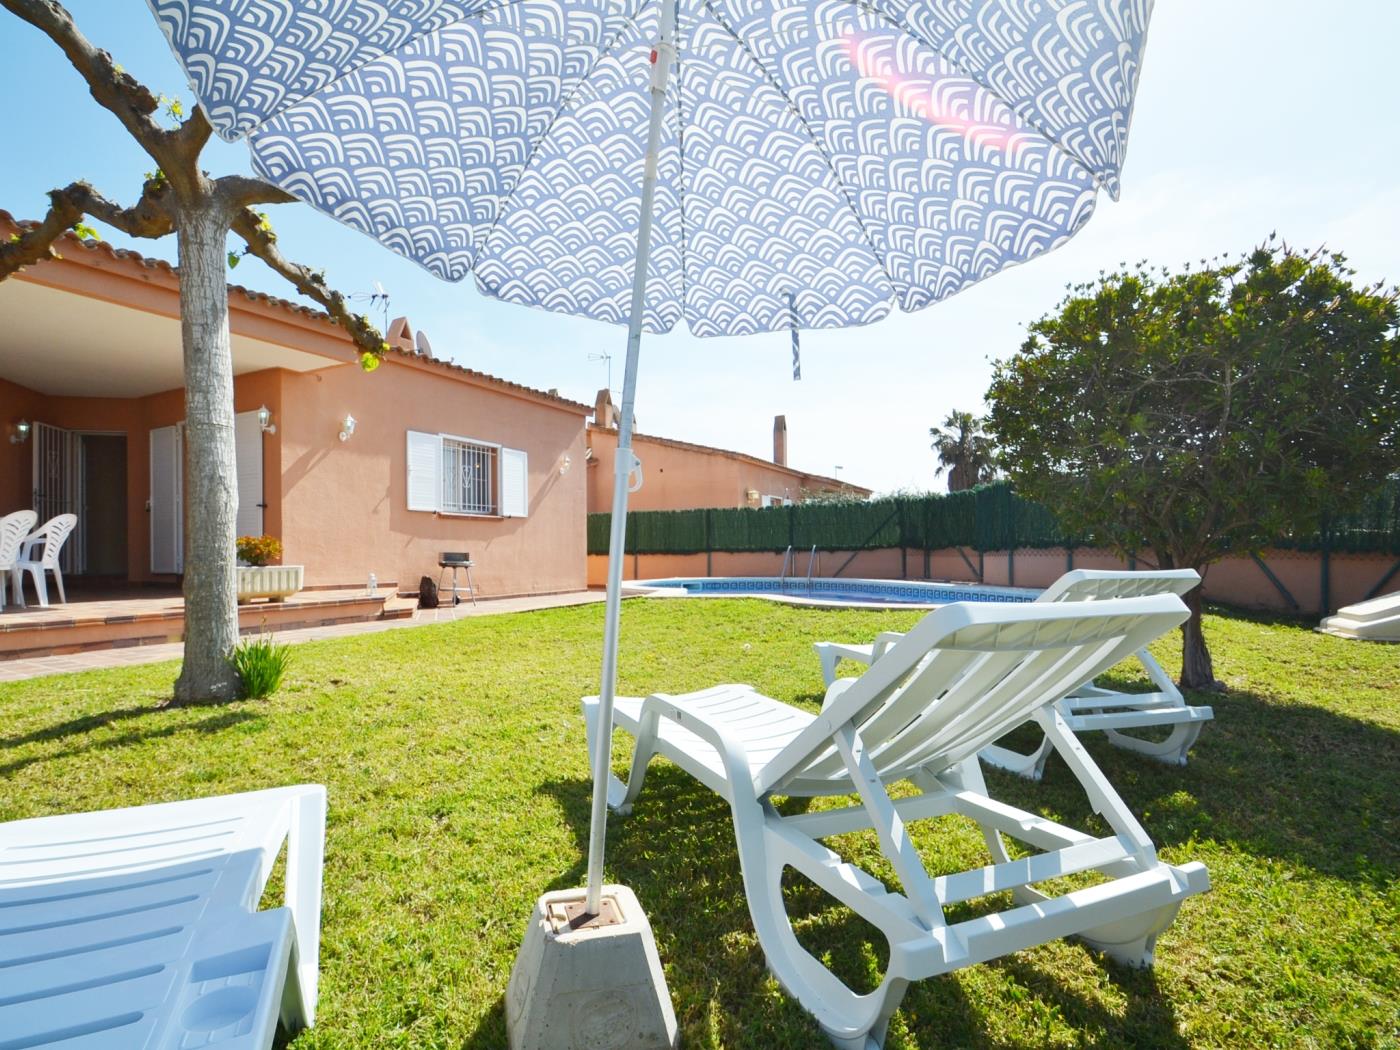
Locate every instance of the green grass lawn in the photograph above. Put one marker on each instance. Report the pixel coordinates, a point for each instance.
(455, 763)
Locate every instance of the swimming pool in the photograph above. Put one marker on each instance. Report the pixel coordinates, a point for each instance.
(830, 591)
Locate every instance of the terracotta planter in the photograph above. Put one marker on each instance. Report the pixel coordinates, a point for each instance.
(268, 581)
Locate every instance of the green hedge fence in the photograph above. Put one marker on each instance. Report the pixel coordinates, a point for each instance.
(990, 518)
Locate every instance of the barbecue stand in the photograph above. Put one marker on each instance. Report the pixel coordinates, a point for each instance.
(456, 560)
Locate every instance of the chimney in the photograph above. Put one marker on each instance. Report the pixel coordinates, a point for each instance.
(780, 440)
(400, 334)
(603, 414)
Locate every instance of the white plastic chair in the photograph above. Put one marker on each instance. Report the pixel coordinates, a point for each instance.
(965, 675)
(13, 530)
(1091, 708)
(137, 929)
(52, 535)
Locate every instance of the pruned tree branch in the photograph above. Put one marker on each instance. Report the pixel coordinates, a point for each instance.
(241, 191)
(121, 94)
(178, 184)
(262, 242)
(149, 218)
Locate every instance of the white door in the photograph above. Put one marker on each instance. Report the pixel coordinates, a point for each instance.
(167, 504)
(58, 487)
(248, 464)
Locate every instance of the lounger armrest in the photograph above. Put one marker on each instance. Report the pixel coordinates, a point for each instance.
(883, 641)
(731, 750)
(834, 691)
(306, 849)
(26, 548)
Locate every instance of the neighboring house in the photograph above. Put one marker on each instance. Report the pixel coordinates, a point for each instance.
(679, 475)
(356, 473)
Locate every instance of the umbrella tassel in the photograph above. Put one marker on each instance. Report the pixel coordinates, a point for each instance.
(796, 339)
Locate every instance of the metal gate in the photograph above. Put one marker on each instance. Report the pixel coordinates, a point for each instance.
(59, 488)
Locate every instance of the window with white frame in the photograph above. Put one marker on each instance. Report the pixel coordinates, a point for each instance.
(468, 477)
(449, 474)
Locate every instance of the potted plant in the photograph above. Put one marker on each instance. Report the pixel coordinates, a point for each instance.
(259, 579)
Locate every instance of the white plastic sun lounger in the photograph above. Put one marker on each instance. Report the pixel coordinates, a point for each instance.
(137, 929)
(1091, 707)
(961, 678)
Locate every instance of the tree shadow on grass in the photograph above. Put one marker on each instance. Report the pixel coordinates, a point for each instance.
(676, 851)
(212, 724)
(74, 726)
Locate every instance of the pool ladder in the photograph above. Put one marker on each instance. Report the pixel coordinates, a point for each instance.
(790, 561)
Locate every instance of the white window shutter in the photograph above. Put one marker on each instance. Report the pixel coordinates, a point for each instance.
(424, 486)
(248, 462)
(515, 483)
(167, 498)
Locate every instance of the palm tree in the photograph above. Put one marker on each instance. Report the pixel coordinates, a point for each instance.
(964, 451)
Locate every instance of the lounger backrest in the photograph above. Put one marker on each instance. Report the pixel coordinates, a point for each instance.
(13, 530)
(1082, 585)
(87, 845)
(55, 533)
(967, 674)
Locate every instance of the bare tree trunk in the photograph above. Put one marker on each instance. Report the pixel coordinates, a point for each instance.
(211, 503)
(1197, 670)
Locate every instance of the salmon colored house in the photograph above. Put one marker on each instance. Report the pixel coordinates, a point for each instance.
(355, 472)
(680, 475)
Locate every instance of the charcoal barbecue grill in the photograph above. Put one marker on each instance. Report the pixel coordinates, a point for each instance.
(456, 561)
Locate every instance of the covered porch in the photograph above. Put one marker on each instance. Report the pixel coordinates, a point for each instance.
(92, 407)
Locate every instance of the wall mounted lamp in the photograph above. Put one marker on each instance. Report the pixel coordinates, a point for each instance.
(347, 427)
(21, 433)
(265, 420)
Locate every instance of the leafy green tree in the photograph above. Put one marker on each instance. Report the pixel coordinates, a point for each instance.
(964, 451)
(180, 198)
(1186, 416)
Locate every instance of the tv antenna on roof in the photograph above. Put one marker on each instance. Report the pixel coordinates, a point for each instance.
(378, 298)
(608, 359)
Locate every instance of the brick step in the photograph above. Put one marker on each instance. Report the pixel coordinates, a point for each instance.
(87, 626)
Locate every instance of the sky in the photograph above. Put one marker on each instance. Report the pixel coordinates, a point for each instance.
(1252, 116)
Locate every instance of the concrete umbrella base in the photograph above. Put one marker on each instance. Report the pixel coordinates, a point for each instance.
(589, 985)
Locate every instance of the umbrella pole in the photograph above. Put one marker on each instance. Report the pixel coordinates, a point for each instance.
(623, 464)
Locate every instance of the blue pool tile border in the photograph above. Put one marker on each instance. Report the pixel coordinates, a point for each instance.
(850, 590)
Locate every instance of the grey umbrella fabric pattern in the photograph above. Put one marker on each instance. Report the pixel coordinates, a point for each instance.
(821, 163)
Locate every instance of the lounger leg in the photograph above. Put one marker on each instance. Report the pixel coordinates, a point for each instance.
(1172, 750)
(1132, 942)
(621, 796)
(850, 1021)
(829, 659)
(58, 579)
(41, 587)
(1031, 766)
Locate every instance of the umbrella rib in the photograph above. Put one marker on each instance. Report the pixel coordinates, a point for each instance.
(505, 197)
(900, 26)
(817, 141)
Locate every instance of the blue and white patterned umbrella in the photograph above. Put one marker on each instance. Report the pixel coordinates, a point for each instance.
(855, 154)
(747, 165)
